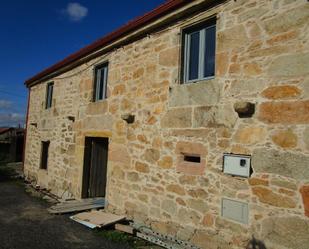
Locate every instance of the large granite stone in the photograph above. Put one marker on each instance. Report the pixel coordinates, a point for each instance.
(282, 163)
(200, 93)
(290, 232)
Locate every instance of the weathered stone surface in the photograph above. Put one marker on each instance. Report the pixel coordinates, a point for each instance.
(200, 93)
(283, 184)
(117, 172)
(119, 153)
(177, 118)
(287, 20)
(306, 137)
(205, 239)
(287, 112)
(289, 232)
(169, 57)
(265, 195)
(176, 189)
(166, 162)
(198, 193)
(258, 181)
(142, 167)
(250, 135)
(252, 69)
(96, 108)
(152, 155)
(252, 13)
(216, 116)
(198, 205)
(185, 179)
(287, 164)
(290, 65)
(304, 190)
(227, 40)
(191, 148)
(208, 220)
(169, 206)
(132, 176)
(196, 133)
(281, 92)
(222, 223)
(189, 216)
(242, 87)
(165, 227)
(285, 139)
(99, 122)
(222, 63)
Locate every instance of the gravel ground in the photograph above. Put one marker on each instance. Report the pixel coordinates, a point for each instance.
(25, 224)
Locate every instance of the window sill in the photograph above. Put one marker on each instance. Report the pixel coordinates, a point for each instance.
(198, 81)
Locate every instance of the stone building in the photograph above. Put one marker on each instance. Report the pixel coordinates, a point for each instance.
(163, 115)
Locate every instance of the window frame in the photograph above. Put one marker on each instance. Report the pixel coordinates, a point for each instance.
(201, 27)
(44, 157)
(49, 95)
(96, 86)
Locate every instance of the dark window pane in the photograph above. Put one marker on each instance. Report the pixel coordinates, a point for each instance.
(100, 87)
(101, 83)
(194, 51)
(210, 49)
(49, 95)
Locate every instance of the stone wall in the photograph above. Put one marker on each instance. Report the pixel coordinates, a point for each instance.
(262, 57)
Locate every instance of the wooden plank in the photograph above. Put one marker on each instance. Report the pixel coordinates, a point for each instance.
(124, 228)
(96, 218)
(74, 209)
(79, 202)
(73, 206)
(102, 203)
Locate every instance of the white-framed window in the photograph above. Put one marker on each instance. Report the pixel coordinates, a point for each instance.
(49, 95)
(199, 47)
(100, 82)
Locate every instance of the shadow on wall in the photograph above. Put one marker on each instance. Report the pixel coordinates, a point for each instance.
(255, 244)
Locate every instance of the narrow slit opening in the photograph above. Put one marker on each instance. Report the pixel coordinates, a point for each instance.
(192, 158)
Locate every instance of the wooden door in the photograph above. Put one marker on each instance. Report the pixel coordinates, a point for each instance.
(95, 167)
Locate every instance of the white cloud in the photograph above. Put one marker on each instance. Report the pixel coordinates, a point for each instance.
(11, 119)
(75, 11)
(4, 104)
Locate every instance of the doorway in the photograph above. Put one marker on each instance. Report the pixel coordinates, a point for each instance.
(95, 167)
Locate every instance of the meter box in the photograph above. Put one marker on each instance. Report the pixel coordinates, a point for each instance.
(238, 165)
(235, 210)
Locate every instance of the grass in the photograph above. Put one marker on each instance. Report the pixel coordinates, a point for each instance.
(5, 171)
(121, 237)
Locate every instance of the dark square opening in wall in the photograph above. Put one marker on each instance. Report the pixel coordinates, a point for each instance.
(192, 158)
(44, 154)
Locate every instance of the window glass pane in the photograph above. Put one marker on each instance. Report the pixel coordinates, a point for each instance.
(194, 50)
(101, 83)
(210, 49)
(49, 95)
(100, 89)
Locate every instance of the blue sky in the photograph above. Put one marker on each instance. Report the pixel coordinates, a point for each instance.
(36, 34)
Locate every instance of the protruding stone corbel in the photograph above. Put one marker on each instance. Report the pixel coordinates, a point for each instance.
(244, 109)
(129, 118)
(34, 124)
(71, 118)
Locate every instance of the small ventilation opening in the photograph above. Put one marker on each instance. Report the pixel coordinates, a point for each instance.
(192, 158)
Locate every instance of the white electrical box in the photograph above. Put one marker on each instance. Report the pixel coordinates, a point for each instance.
(238, 165)
(235, 210)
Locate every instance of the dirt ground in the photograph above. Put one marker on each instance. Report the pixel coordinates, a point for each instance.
(25, 224)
